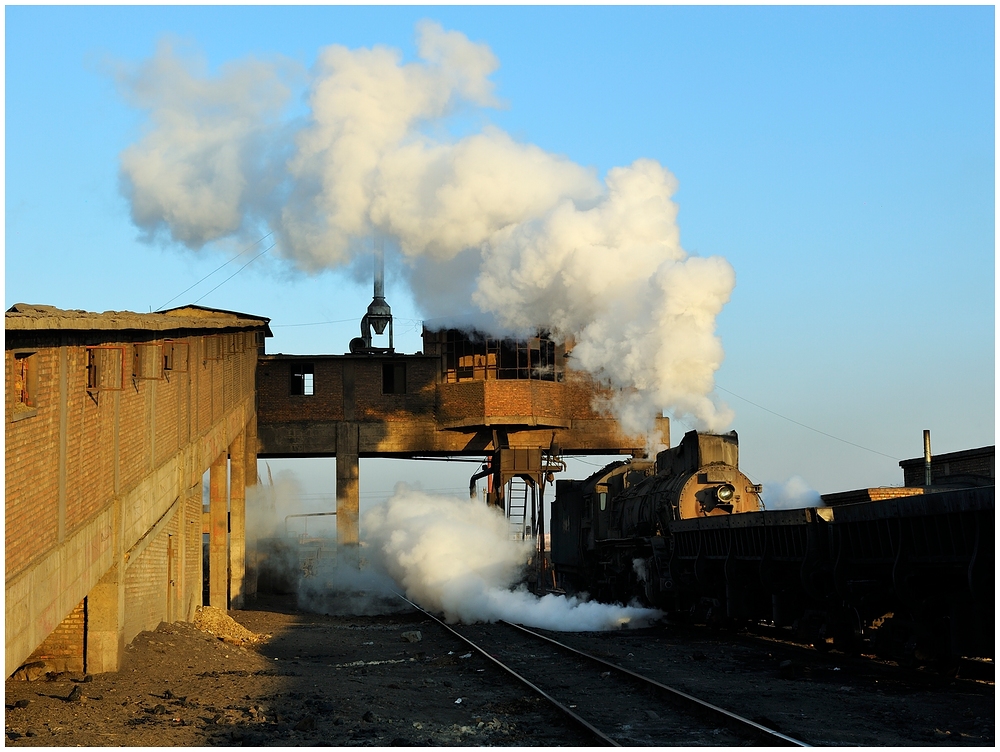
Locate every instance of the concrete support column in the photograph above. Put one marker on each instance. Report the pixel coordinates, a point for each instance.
(190, 591)
(250, 579)
(237, 519)
(250, 447)
(106, 622)
(348, 499)
(218, 533)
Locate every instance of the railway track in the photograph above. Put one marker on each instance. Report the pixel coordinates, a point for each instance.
(618, 707)
(970, 675)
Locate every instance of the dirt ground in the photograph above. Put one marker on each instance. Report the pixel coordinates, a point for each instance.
(274, 677)
(314, 680)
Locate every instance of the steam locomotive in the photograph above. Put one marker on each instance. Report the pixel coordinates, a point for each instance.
(910, 578)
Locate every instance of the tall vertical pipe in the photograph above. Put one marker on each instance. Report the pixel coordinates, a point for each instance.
(927, 458)
(379, 266)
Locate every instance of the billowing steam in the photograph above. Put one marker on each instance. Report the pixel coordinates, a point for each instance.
(794, 493)
(455, 556)
(451, 556)
(482, 221)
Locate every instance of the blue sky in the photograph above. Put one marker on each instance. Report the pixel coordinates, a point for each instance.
(840, 158)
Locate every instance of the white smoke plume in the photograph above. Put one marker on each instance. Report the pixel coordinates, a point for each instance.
(794, 493)
(269, 505)
(481, 221)
(455, 556)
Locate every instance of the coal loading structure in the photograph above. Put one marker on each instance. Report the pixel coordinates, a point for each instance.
(909, 578)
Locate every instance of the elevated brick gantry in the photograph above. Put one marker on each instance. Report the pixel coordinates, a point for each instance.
(112, 419)
(465, 395)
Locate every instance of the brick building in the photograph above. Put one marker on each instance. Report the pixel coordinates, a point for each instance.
(968, 468)
(111, 421)
(464, 395)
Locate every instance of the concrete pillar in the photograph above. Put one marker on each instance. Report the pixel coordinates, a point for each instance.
(250, 578)
(237, 519)
(348, 499)
(218, 533)
(250, 447)
(189, 592)
(106, 622)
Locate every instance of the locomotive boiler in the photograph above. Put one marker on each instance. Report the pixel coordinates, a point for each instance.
(603, 525)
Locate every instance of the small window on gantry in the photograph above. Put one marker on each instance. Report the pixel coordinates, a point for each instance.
(302, 379)
(393, 378)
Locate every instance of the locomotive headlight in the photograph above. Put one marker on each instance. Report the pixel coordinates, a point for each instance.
(725, 493)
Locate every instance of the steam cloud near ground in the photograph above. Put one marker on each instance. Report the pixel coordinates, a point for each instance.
(482, 222)
(451, 556)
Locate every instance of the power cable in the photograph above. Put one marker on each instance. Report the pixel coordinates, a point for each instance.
(236, 272)
(213, 272)
(815, 430)
(343, 321)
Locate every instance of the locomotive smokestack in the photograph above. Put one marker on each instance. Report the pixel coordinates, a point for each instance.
(927, 458)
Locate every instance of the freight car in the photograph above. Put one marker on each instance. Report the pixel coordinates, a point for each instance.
(909, 578)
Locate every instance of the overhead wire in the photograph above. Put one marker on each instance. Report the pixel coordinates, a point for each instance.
(214, 271)
(236, 272)
(810, 428)
(344, 321)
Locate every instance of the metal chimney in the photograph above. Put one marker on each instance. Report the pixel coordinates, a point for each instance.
(379, 314)
(927, 458)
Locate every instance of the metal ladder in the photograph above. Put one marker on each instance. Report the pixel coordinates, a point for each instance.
(518, 494)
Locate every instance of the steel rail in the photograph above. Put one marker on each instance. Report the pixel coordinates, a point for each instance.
(538, 690)
(772, 736)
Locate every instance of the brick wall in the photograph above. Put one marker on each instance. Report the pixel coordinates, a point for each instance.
(74, 452)
(191, 594)
(349, 387)
(345, 388)
(417, 399)
(472, 400)
(31, 464)
(276, 403)
(461, 401)
(146, 585)
(63, 650)
(869, 494)
(90, 458)
(972, 465)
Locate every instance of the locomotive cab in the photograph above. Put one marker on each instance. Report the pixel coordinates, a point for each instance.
(582, 514)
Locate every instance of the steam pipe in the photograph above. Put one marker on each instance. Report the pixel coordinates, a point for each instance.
(379, 314)
(379, 266)
(311, 514)
(472, 481)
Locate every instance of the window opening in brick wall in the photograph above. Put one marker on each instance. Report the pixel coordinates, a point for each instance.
(236, 342)
(302, 379)
(393, 378)
(147, 361)
(175, 355)
(467, 358)
(105, 368)
(25, 384)
(213, 347)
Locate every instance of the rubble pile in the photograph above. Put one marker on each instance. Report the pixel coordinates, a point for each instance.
(217, 622)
